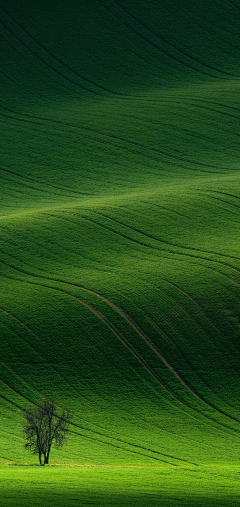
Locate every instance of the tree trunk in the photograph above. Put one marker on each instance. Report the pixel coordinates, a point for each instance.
(46, 458)
(40, 458)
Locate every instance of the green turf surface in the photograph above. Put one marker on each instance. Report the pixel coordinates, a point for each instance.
(120, 208)
(119, 486)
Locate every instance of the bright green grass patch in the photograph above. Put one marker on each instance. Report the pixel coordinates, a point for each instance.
(119, 486)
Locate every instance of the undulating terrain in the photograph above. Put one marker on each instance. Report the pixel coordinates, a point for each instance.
(120, 238)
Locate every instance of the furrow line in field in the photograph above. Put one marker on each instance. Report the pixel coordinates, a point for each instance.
(189, 364)
(40, 340)
(186, 294)
(102, 318)
(159, 428)
(176, 245)
(47, 64)
(10, 401)
(166, 52)
(140, 149)
(124, 449)
(72, 284)
(233, 4)
(186, 360)
(135, 327)
(53, 77)
(142, 335)
(58, 59)
(45, 190)
(125, 236)
(133, 445)
(225, 193)
(108, 437)
(16, 392)
(224, 113)
(165, 208)
(182, 381)
(220, 104)
(223, 207)
(67, 382)
(226, 209)
(43, 276)
(128, 142)
(44, 183)
(160, 332)
(124, 342)
(172, 46)
(142, 362)
(21, 323)
(104, 137)
(4, 115)
(235, 350)
(9, 387)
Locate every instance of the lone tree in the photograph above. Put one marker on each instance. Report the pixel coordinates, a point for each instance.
(43, 427)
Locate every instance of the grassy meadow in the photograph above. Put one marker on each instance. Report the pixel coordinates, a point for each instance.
(118, 486)
(120, 264)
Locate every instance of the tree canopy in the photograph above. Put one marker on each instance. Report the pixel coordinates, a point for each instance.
(43, 427)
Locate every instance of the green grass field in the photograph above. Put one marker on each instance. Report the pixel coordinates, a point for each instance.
(120, 263)
(118, 486)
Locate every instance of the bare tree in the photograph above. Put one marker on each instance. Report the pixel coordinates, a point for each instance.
(43, 427)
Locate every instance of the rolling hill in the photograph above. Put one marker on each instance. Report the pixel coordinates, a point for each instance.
(120, 264)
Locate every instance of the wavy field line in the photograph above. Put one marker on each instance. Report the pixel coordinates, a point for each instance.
(223, 207)
(194, 59)
(225, 193)
(123, 341)
(28, 186)
(140, 333)
(224, 113)
(57, 59)
(136, 445)
(47, 184)
(15, 392)
(40, 340)
(177, 245)
(47, 64)
(164, 51)
(223, 425)
(233, 4)
(101, 434)
(21, 323)
(219, 104)
(118, 336)
(127, 142)
(183, 356)
(124, 449)
(173, 252)
(102, 318)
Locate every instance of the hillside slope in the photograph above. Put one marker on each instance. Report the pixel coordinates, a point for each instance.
(120, 265)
